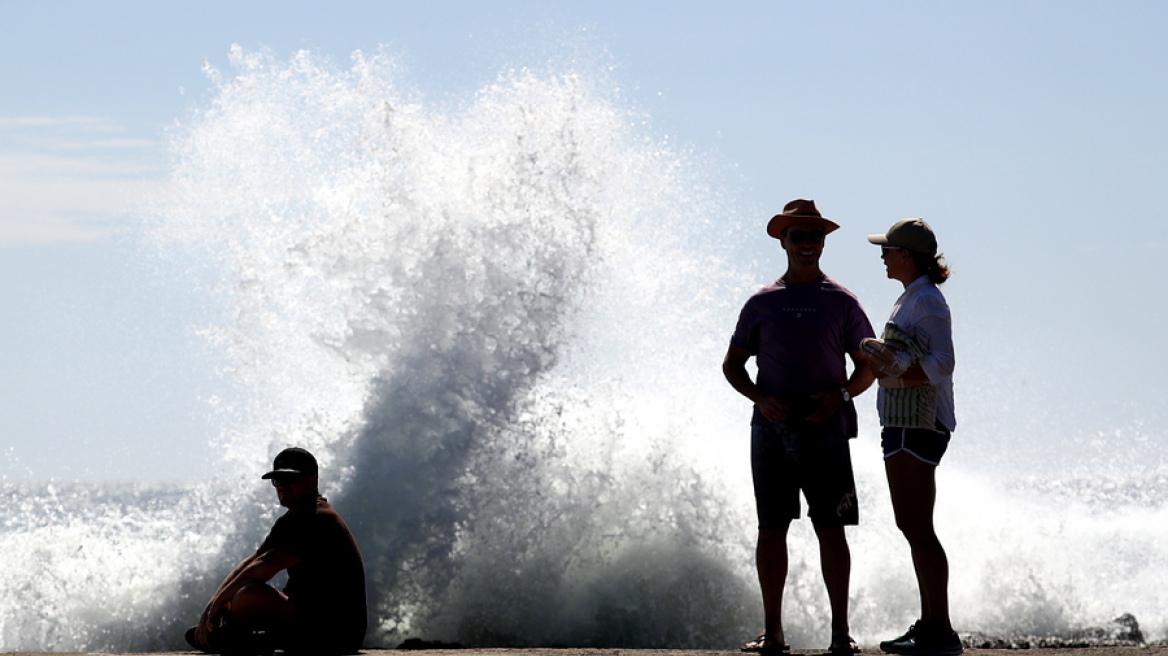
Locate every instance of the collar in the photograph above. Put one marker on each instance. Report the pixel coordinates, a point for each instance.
(921, 281)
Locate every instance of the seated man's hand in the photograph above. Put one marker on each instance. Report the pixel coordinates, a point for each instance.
(213, 618)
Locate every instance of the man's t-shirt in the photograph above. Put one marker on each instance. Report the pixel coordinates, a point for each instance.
(800, 335)
(327, 585)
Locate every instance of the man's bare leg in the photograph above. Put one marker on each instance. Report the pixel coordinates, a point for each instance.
(771, 559)
(259, 606)
(835, 560)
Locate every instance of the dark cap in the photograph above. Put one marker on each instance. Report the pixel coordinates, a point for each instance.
(293, 461)
(912, 234)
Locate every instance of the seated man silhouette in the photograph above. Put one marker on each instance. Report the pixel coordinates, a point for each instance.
(321, 609)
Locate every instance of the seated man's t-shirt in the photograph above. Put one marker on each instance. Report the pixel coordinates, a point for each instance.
(327, 585)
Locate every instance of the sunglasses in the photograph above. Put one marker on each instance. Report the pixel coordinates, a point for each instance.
(278, 481)
(885, 250)
(805, 236)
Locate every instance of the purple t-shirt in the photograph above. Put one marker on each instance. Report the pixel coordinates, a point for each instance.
(800, 336)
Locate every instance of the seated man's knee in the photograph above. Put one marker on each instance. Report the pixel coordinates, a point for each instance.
(259, 603)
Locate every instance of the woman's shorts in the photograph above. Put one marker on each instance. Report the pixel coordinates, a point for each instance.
(924, 444)
(784, 461)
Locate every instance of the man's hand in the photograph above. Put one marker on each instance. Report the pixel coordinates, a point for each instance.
(829, 401)
(213, 618)
(774, 410)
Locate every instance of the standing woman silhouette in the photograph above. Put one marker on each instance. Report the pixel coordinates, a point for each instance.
(913, 362)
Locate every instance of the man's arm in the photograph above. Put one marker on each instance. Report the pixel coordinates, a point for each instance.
(256, 568)
(734, 369)
(830, 400)
(862, 375)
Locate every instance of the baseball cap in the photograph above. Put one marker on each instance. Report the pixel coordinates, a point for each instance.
(911, 234)
(293, 461)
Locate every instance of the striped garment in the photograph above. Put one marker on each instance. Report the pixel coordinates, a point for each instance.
(908, 407)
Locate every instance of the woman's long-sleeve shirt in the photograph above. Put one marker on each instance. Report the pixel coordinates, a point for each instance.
(922, 312)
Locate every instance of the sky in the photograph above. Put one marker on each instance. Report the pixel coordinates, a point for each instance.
(1031, 135)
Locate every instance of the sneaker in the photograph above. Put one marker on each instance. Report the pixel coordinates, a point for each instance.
(925, 640)
(886, 646)
(234, 642)
(190, 638)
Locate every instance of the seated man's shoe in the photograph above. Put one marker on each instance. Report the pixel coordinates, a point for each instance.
(190, 638)
(231, 641)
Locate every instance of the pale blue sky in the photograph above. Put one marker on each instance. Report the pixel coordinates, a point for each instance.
(1030, 134)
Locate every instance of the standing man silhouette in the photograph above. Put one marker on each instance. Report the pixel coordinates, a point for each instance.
(800, 329)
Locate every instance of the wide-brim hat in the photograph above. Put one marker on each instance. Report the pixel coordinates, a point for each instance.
(911, 234)
(796, 212)
(293, 461)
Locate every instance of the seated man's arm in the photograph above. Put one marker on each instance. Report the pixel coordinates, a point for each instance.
(256, 568)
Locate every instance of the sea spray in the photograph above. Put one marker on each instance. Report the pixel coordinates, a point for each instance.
(96, 566)
(429, 301)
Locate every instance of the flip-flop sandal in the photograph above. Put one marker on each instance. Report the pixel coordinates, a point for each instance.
(765, 645)
(843, 645)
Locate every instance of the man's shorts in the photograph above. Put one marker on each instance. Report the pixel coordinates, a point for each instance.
(925, 444)
(785, 460)
(323, 630)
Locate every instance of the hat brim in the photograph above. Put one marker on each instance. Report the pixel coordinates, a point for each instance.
(781, 222)
(282, 472)
(882, 240)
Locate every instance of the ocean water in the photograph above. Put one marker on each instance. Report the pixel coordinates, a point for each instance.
(499, 325)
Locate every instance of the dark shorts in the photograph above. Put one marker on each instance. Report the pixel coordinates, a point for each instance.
(784, 461)
(925, 444)
(325, 629)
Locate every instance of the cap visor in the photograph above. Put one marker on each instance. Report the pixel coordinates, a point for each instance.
(281, 472)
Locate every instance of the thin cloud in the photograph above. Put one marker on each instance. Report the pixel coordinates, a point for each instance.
(76, 122)
(46, 133)
(70, 178)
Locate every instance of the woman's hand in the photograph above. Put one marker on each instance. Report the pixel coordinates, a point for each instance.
(888, 358)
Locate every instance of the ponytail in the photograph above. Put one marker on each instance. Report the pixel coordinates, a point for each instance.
(932, 266)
